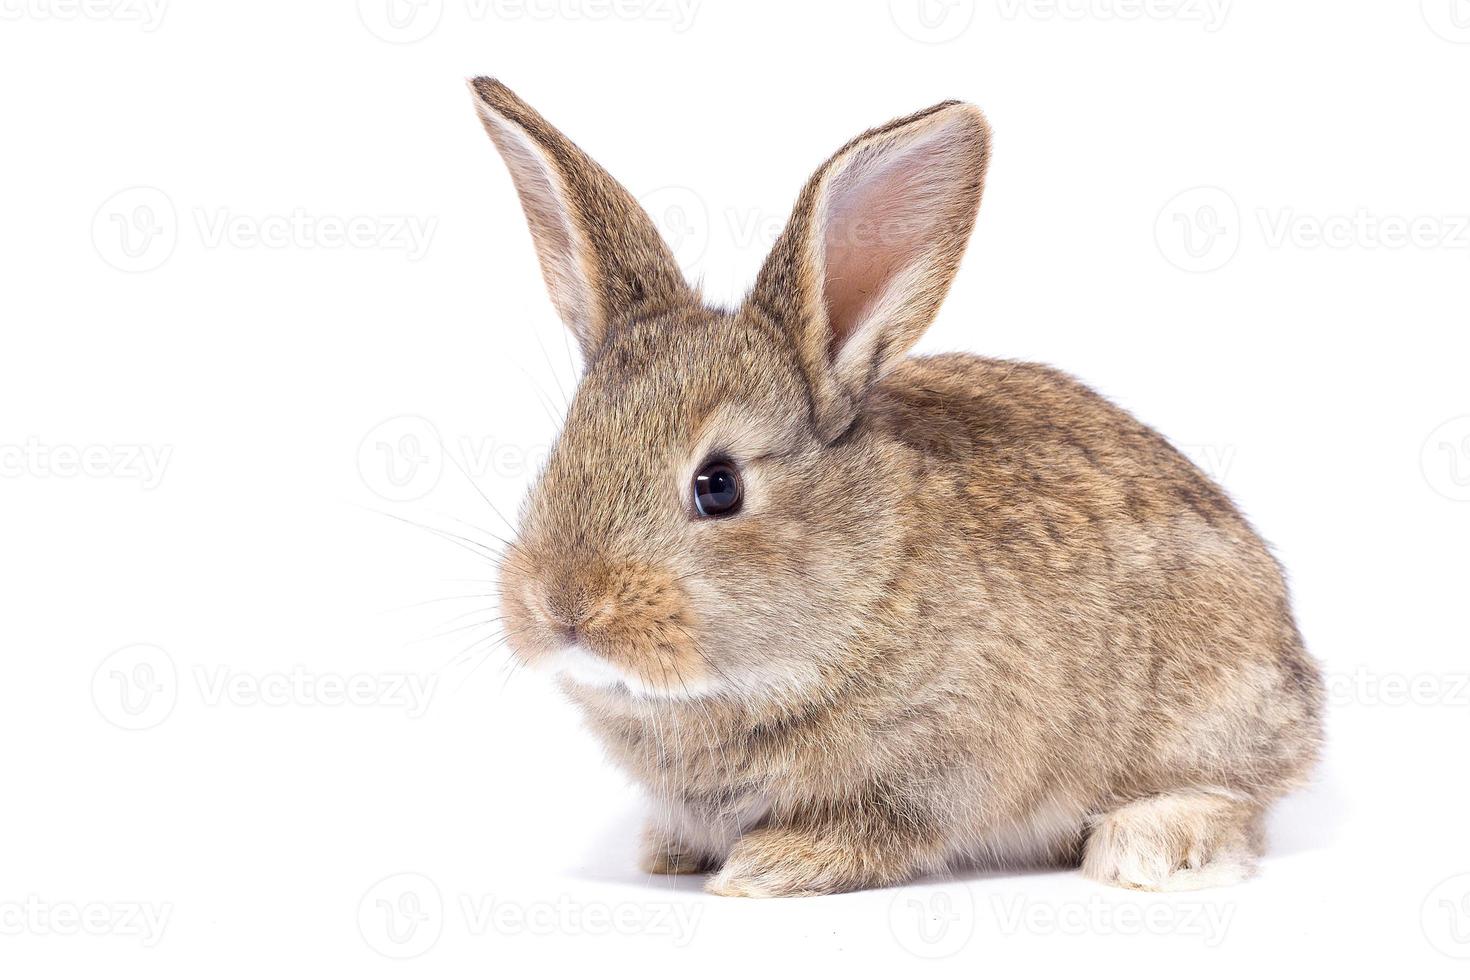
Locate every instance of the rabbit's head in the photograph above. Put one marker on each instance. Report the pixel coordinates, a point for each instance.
(710, 519)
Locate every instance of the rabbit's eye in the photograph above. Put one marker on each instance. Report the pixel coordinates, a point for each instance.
(717, 490)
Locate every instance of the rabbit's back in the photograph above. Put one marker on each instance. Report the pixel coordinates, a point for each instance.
(1099, 583)
(1014, 425)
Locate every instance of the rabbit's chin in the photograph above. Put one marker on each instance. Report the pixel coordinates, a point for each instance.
(579, 666)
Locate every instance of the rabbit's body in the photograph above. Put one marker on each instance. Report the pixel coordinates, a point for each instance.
(851, 615)
(1045, 667)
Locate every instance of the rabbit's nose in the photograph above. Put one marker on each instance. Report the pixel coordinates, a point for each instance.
(570, 610)
(564, 624)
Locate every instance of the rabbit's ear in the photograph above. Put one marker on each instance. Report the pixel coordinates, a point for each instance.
(603, 260)
(870, 250)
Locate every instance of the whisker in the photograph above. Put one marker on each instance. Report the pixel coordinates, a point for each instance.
(469, 544)
(475, 527)
(566, 401)
(471, 480)
(446, 598)
(466, 654)
(541, 399)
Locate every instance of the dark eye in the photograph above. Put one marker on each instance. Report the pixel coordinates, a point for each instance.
(717, 489)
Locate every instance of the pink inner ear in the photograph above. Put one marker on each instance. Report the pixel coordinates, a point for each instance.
(885, 211)
(557, 245)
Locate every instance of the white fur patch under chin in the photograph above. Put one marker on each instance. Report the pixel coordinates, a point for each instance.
(581, 666)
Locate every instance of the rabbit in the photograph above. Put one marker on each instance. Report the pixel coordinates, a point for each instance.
(851, 616)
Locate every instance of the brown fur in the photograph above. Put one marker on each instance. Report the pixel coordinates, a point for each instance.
(970, 610)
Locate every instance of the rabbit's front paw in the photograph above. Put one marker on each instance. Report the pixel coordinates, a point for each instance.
(673, 863)
(663, 854)
(819, 860)
(773, 864)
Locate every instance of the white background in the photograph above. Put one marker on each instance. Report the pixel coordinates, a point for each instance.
(1246, 222)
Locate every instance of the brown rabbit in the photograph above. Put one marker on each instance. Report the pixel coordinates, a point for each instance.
(851, 616)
